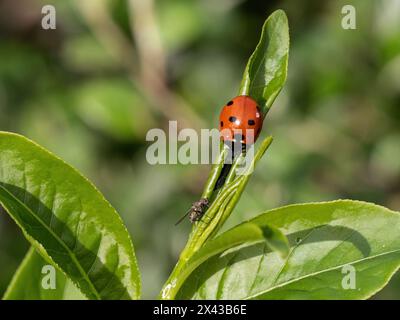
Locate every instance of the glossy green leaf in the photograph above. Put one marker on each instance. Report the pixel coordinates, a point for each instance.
(67, 220)
(244, 233)
(35, 279)
(210, 223)
(266, 70)
(338, 250)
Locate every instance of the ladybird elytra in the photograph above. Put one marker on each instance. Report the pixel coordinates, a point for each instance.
(241, 119)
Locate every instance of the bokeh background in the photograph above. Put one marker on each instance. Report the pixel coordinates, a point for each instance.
(91, 89)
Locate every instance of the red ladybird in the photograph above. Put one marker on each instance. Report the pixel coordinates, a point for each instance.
(237, 117)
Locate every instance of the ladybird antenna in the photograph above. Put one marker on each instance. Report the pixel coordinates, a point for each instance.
(183, 217)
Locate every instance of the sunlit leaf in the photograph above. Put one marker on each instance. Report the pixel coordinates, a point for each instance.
(329, 243)
(67, 220)
(243, 234)
(32, 282)
(266, 69)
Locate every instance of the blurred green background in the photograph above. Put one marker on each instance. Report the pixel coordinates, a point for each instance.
(91, 89)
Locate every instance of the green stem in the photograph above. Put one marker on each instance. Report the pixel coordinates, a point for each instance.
(232, 173)
(200, 227)
(212, 221)
(250, 233)
(243, 182)
(180, 272)
(214, 173)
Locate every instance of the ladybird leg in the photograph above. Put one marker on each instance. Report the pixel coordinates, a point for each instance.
(244, 148)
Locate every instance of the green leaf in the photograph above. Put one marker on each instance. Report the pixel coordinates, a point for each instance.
(67, 220)
(213, 218)
(266, 70)
(32, 282)
(330, 243)
(275, 240)
(244, 233)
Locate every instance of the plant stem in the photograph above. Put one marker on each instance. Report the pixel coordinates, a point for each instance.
(215, 225)
(212, 220)
(214, 173)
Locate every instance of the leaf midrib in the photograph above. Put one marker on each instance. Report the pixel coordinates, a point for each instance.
(319, 272)
(57, 238)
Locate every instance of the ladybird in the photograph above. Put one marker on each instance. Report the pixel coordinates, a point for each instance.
(238, 117)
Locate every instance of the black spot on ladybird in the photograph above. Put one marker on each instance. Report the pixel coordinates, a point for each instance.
(222, 123)
(251, 122)
(230, 103)
(232, 119)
